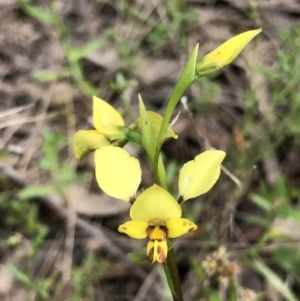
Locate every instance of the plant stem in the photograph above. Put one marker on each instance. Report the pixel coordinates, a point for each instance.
(186, 78)
(172, 274)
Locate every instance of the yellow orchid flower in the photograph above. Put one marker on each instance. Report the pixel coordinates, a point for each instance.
(108, 125)
(155, 214)
(223, 55)
(106, 121)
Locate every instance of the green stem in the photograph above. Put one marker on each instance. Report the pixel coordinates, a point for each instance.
(160, 176)
(133, 135)
(186, 78)
(172, 274)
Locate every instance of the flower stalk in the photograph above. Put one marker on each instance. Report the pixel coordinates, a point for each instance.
(171, 271)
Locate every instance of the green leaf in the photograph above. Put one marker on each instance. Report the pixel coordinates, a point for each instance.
(282, 189)
(36, 191)
(149, 143)
(293, 213)
(262, 202)
(186, 78)
(233, 290)
(198, 270)
(75, 54)
(148, 138)
(137, 257)
(36, 12)
(257, 220)
(87, 88)
(287, 258)
(45, 76)
(274, 280)
(23, 278)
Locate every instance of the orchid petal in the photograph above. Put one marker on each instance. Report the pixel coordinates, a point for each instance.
(87, 141)
(117, 173)
(104, 115)
(134, 229)
(157, 250)
(198, 176)
(155, 203)
(179, 226)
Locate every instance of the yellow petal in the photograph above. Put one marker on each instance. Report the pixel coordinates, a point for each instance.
(179, 226)
(156, 121)
(157, 250)
(117, 173)
(112, 131)
(87, 141)
(134, 229)
(105, 115)
(226, 53)
(198, 176)
(155, 203)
